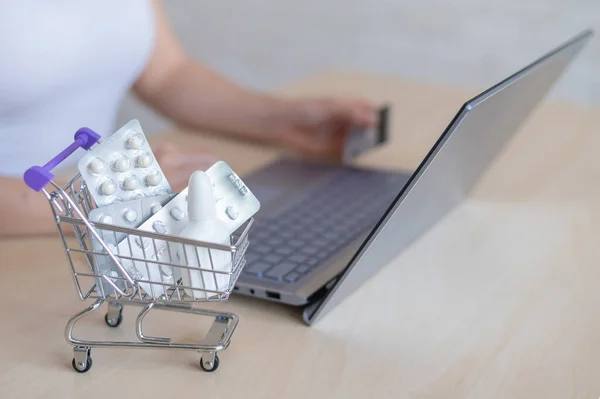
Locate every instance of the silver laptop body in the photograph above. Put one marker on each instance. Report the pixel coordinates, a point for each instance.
(323, 230)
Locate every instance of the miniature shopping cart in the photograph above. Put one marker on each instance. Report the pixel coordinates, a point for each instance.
(85, 243)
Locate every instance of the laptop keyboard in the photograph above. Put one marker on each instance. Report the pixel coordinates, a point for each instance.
(307, 232)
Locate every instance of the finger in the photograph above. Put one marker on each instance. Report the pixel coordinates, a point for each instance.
(179, 178)
(328, 144)
(355, 112)
(185, 167)
(166, 149)
(369, 114)
(178, 167)
(307, 144)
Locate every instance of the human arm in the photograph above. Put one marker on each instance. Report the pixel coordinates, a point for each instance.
(24, 212)
(192, 94)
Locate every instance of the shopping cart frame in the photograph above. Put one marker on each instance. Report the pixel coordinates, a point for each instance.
(70, 207)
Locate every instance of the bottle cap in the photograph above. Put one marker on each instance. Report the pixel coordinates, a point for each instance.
(201, 201)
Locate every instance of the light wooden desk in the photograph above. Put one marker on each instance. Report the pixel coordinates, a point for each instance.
(501, 299)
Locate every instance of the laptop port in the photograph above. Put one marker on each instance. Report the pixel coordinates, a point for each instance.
(273, 295)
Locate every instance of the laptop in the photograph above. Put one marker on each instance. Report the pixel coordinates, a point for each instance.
(324, 229)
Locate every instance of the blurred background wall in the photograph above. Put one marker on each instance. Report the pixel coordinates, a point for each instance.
(474, 43)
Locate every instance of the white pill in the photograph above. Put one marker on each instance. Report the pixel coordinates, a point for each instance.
(231, 212)
(96, 166)
(136, 195)
(144, 160)
(135, 273)
(156, 207)
(153, 179)
(108, 188)
(144, 242)
(159, 227)
(114, 273)
(130, 215)
(121, 165)
(106, 219)
(177, 213)
(135, 141)
(130, 184)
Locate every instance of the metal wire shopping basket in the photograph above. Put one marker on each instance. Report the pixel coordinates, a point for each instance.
(85, 244)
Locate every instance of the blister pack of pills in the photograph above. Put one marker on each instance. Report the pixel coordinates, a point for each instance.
(170, 219)
(130, 214)
(122, 168)
(231, 195)
(235, 202)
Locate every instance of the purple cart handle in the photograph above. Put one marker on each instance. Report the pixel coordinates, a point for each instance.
(37, 177)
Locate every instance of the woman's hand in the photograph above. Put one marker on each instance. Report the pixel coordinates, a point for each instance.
(193, 95)
(178, 164)
(318, 126)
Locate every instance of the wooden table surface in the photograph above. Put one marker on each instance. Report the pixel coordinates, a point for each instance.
(501, 299)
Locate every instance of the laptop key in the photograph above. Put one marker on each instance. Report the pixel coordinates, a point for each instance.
(280, 270)
(251, 257)
(286, 234)
(262, 249)
(337, 229)
(312, 262)
(306, 236)
(292, 277)
(302, 269)
(323, 255)
(275, 241)
(321, 243)
(257, 268)
(296, 243)
(260, 234)
(297, 258)
(296, 227)
(270, 226)
(285, 250)
(321, 228)
(273, 258)
(310, 250)
(330, 235)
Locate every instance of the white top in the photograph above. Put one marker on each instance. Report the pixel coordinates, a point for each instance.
(65, 64)
(201, 199)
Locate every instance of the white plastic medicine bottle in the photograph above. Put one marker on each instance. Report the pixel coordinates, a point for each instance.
(203, 225)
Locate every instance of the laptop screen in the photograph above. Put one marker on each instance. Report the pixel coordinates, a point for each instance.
(455, 163)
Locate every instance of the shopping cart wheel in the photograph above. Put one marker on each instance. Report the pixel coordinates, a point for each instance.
(208, 365)
(112, 321)
(114, 314)
(82, 359)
